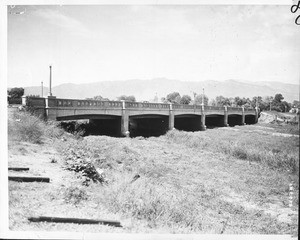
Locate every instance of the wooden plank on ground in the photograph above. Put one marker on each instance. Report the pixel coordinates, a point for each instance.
(18, 169)
(74, 220)
(28, 179)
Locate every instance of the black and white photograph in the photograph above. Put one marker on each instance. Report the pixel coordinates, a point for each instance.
(150, 118)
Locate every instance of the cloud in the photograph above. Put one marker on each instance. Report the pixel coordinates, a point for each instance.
(67, 23)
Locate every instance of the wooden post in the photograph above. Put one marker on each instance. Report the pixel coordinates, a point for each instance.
(18, 169)
(28, 179)
(74, 220)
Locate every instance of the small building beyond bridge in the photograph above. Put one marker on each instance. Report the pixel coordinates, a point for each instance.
(124, 118)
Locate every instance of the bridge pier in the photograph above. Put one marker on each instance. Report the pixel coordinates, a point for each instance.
(124, 121)
(50, 107)
(256, 114)
(226, 117)
(171, 118)
(203, 127)
(243, 116)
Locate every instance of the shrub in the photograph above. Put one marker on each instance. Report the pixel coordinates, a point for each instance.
(23, 126)
(77, 159)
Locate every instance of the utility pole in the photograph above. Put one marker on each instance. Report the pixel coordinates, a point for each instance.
(50, 82)
(42, 89)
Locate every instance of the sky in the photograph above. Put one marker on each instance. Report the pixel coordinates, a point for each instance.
(91, 43)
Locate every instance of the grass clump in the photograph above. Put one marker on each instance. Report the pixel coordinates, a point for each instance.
(75, 195)
(159, 206)
(23, 126)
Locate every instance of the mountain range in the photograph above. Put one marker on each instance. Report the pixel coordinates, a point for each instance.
(146, 90)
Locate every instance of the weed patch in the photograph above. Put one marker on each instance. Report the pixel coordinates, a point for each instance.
(23, 126)
(75, 195)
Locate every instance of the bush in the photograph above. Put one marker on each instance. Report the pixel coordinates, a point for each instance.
(23, 126)
(77, 159)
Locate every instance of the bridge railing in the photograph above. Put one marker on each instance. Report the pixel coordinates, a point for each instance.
(87, 103)
(237, 109)
(84, 103)
(33, 101)
(214, 108)
(249, 109)
(183, 106)
(147, 105)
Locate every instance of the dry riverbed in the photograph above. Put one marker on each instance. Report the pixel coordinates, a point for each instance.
(177, 183)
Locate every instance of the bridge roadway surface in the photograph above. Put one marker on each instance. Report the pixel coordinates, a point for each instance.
(126, 117)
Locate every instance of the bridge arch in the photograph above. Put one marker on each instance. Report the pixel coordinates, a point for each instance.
(98, 124)
(214, 120)
(188, 122)
(235, 119)
(147, 125)
(250, 119)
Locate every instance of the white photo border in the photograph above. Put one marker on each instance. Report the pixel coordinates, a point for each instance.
(5, 233)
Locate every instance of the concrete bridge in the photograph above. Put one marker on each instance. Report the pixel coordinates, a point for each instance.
(123, 118)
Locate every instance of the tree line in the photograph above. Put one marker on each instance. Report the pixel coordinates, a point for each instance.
(275, 103)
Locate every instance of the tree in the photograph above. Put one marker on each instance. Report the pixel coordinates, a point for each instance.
(212, 102)
(279, 105)
(238, 101)
(15, 93)
(164, 100)
(247, 103)
(296, 104)
(98, 97)
(278, 97)
(130, 98)
(285, 106)
(232, 102)
(185, 99)
(222, 101)
(198, 99)
(174, 97)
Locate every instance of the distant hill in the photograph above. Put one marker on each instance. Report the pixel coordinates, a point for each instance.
(145, 90)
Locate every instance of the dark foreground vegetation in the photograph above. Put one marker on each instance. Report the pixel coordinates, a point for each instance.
(224, 180)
